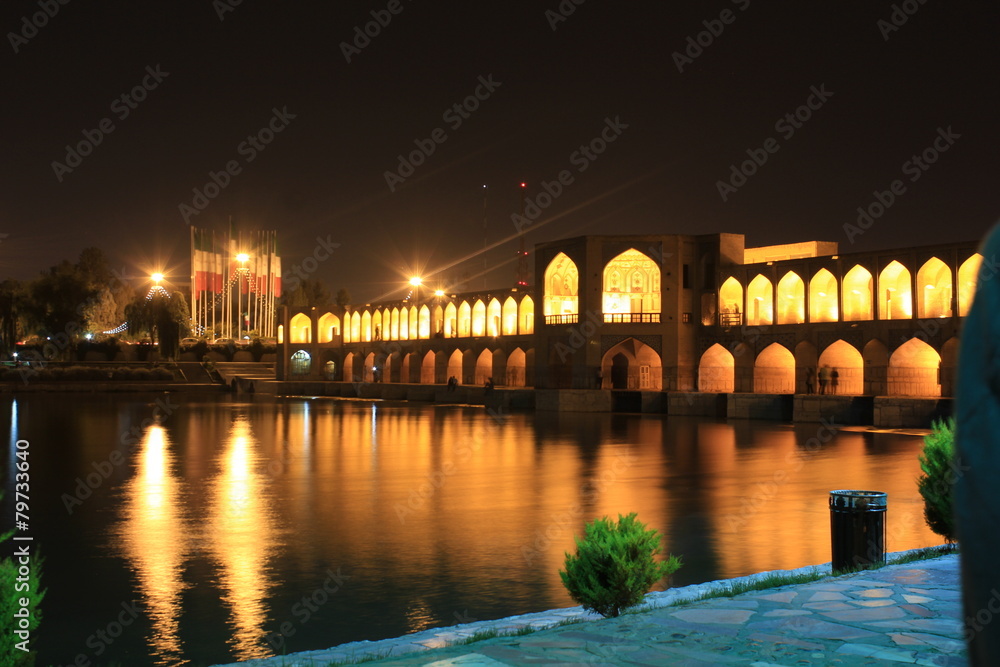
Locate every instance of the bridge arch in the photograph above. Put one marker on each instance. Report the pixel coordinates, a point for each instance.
(857, 293)
(631, 364)
(774, 371)
(968, 273)
(300, 329)
(847, 361)
(895, 297)
(760, 301)
(823, 297)
(791, 304)
(328, 328)
(914, 370)
(934, 287)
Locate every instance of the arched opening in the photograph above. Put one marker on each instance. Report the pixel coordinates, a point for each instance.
(631, 364)
(516, 368)
(791, 299)
(464, 319)
(760, 301)
(368, 374)
(455, 366)
(349, 372)
(300, 329)
(895, 299)
(913, 370)
(281, 333)
(438, 323)
(300, 364)
(406, 368)
(329, 328)
(774, 371)
(631, 288)
(404, 323)
(493, 313)
(355, 327)
(450, 321)
(876, 359)
(716, 370)
(823, 297)
(424, 322)
(526, 315)
(394, 324)
(731, 303)
(949, 360)
(967, 275)
(484, 368)
(858, 285)
(845, 369)
(377, 325)
(479, 318)
(366, 326)
(509, 315)
(561, 303)
(934, 289)
(427, 368)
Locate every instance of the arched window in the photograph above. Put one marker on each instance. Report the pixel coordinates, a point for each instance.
(526, 315)
(731, 303)
(934, 289)
(858, 294)
(509, 326)
(631, 288)
(479, 319)
(329, 328)
(300, 329)
(823, 297)
(561, 302)
(967, 274)
(791, 299)
(493, 318)
(300, 364)
(464, 319)
(760, 301)
(450, 321)
(895, 298)
(424, 320)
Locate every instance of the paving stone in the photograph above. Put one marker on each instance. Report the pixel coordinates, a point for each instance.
(824, 596)
(879, 652)
(468, 660)
(916, 599)
(875, 593)
(721, 616)
(787, 612)
(873, 603)
(827, 606)
(941, 643)
(784, 596)
(865, 615)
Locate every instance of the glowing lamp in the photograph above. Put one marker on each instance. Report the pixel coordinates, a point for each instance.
(157, 277)
(439, 292)
(242, 257)
(416, 281)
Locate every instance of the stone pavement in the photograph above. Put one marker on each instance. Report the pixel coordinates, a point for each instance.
(909, 613)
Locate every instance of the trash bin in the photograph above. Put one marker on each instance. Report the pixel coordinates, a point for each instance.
(857, 529)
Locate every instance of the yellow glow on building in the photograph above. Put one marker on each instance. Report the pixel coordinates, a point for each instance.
(561, 284)
(631, 284)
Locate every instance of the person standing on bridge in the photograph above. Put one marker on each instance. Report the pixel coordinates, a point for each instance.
(824, 378)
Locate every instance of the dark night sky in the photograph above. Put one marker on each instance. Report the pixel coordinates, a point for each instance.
(324, 174)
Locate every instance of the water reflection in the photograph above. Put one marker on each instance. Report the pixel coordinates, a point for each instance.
(154, 538)
(239, 536)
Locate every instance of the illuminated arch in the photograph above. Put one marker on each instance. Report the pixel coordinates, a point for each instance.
(424, 322)
(349, 373)
(823, 297)
(404, 323)
(484, 368)
(949, 362)
(450, 321)
(791, 299)
(858, 285)
(526, 315)
(355, 327)
(464, 319)
(934, 287)
(967, 274)
(760, 301)
(913, 370)
(455, 366)
(731, 302)
(561, 300)
(631, 364)
(895, 299)
(846, 360)
(516, 367)
(281, 333)
(631, 288)
(368, 371)
(366, 326)
(493, 318)
(394, 324)
(300, 363)
(509, 317)
(414, 322)
(377, 332)
(716, 370)
(300, 329)
(774, 371)
(427, 368)
(479, 318)
(437, 325)
(329, 328)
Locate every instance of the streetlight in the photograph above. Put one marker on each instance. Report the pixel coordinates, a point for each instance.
(242, 258)
(157, 277)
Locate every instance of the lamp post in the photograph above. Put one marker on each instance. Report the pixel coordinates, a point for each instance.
(242, 258)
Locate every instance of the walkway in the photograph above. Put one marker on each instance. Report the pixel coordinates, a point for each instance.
(908, 614)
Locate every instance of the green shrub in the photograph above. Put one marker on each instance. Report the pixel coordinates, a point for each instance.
(938, 464)
(613, 567)
(11, 592)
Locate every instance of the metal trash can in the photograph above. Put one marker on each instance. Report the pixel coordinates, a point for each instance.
(857, 529)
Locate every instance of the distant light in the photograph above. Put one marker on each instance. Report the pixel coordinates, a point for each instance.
(930, 286)
(157, 277)
(89, 336)
(439, 292)
(416, 281)
(523, 184)
(242, 257)
(15, 355)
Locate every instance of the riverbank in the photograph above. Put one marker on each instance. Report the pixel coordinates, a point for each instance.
(908, 613)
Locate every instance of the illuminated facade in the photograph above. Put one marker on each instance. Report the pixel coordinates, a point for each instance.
(667, 313)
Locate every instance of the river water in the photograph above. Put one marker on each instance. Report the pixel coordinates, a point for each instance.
(196, 529)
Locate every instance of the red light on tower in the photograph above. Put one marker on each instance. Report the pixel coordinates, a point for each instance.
(523, 184)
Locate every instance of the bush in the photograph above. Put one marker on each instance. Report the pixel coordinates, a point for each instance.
(613, 568)
(938, 464)
(11, 591)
